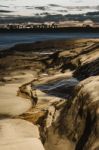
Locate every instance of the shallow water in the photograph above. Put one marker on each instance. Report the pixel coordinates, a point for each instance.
(59, 88)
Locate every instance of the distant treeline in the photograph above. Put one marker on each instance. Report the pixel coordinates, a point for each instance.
(52, 30)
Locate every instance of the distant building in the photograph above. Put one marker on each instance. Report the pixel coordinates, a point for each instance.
(96, 25)
(88, 23)
(73, 23)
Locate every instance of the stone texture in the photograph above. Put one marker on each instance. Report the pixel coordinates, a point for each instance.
(19, 134)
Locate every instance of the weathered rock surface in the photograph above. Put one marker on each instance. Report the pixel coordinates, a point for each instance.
(19, 134)
(88, 100)
(77, 125)
(10, 103)
(61, 95)
(80, 60)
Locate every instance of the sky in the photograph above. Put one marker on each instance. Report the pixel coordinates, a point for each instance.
(27, 7)
(43, 2)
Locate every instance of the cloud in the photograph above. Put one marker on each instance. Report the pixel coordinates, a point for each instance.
(42, 8)
(5, 11)
(4, 6)
(55, 5)
(31, 7)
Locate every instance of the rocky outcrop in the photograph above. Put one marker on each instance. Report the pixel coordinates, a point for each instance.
(79, 59)
(76, 126)
(61, 96)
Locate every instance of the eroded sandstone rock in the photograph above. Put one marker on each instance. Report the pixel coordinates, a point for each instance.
(65, 124)
(78, 121)
(19, 134)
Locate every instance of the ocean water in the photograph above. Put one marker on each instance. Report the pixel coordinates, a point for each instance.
(10, 39)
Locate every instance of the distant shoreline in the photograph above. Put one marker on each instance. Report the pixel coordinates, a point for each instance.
(53, 30)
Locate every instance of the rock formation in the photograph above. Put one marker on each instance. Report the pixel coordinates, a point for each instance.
(61, 93)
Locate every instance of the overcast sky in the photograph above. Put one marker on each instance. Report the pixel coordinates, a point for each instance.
(43, 2)
(21, 7)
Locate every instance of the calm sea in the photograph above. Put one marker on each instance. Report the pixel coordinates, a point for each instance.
(10, 39)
